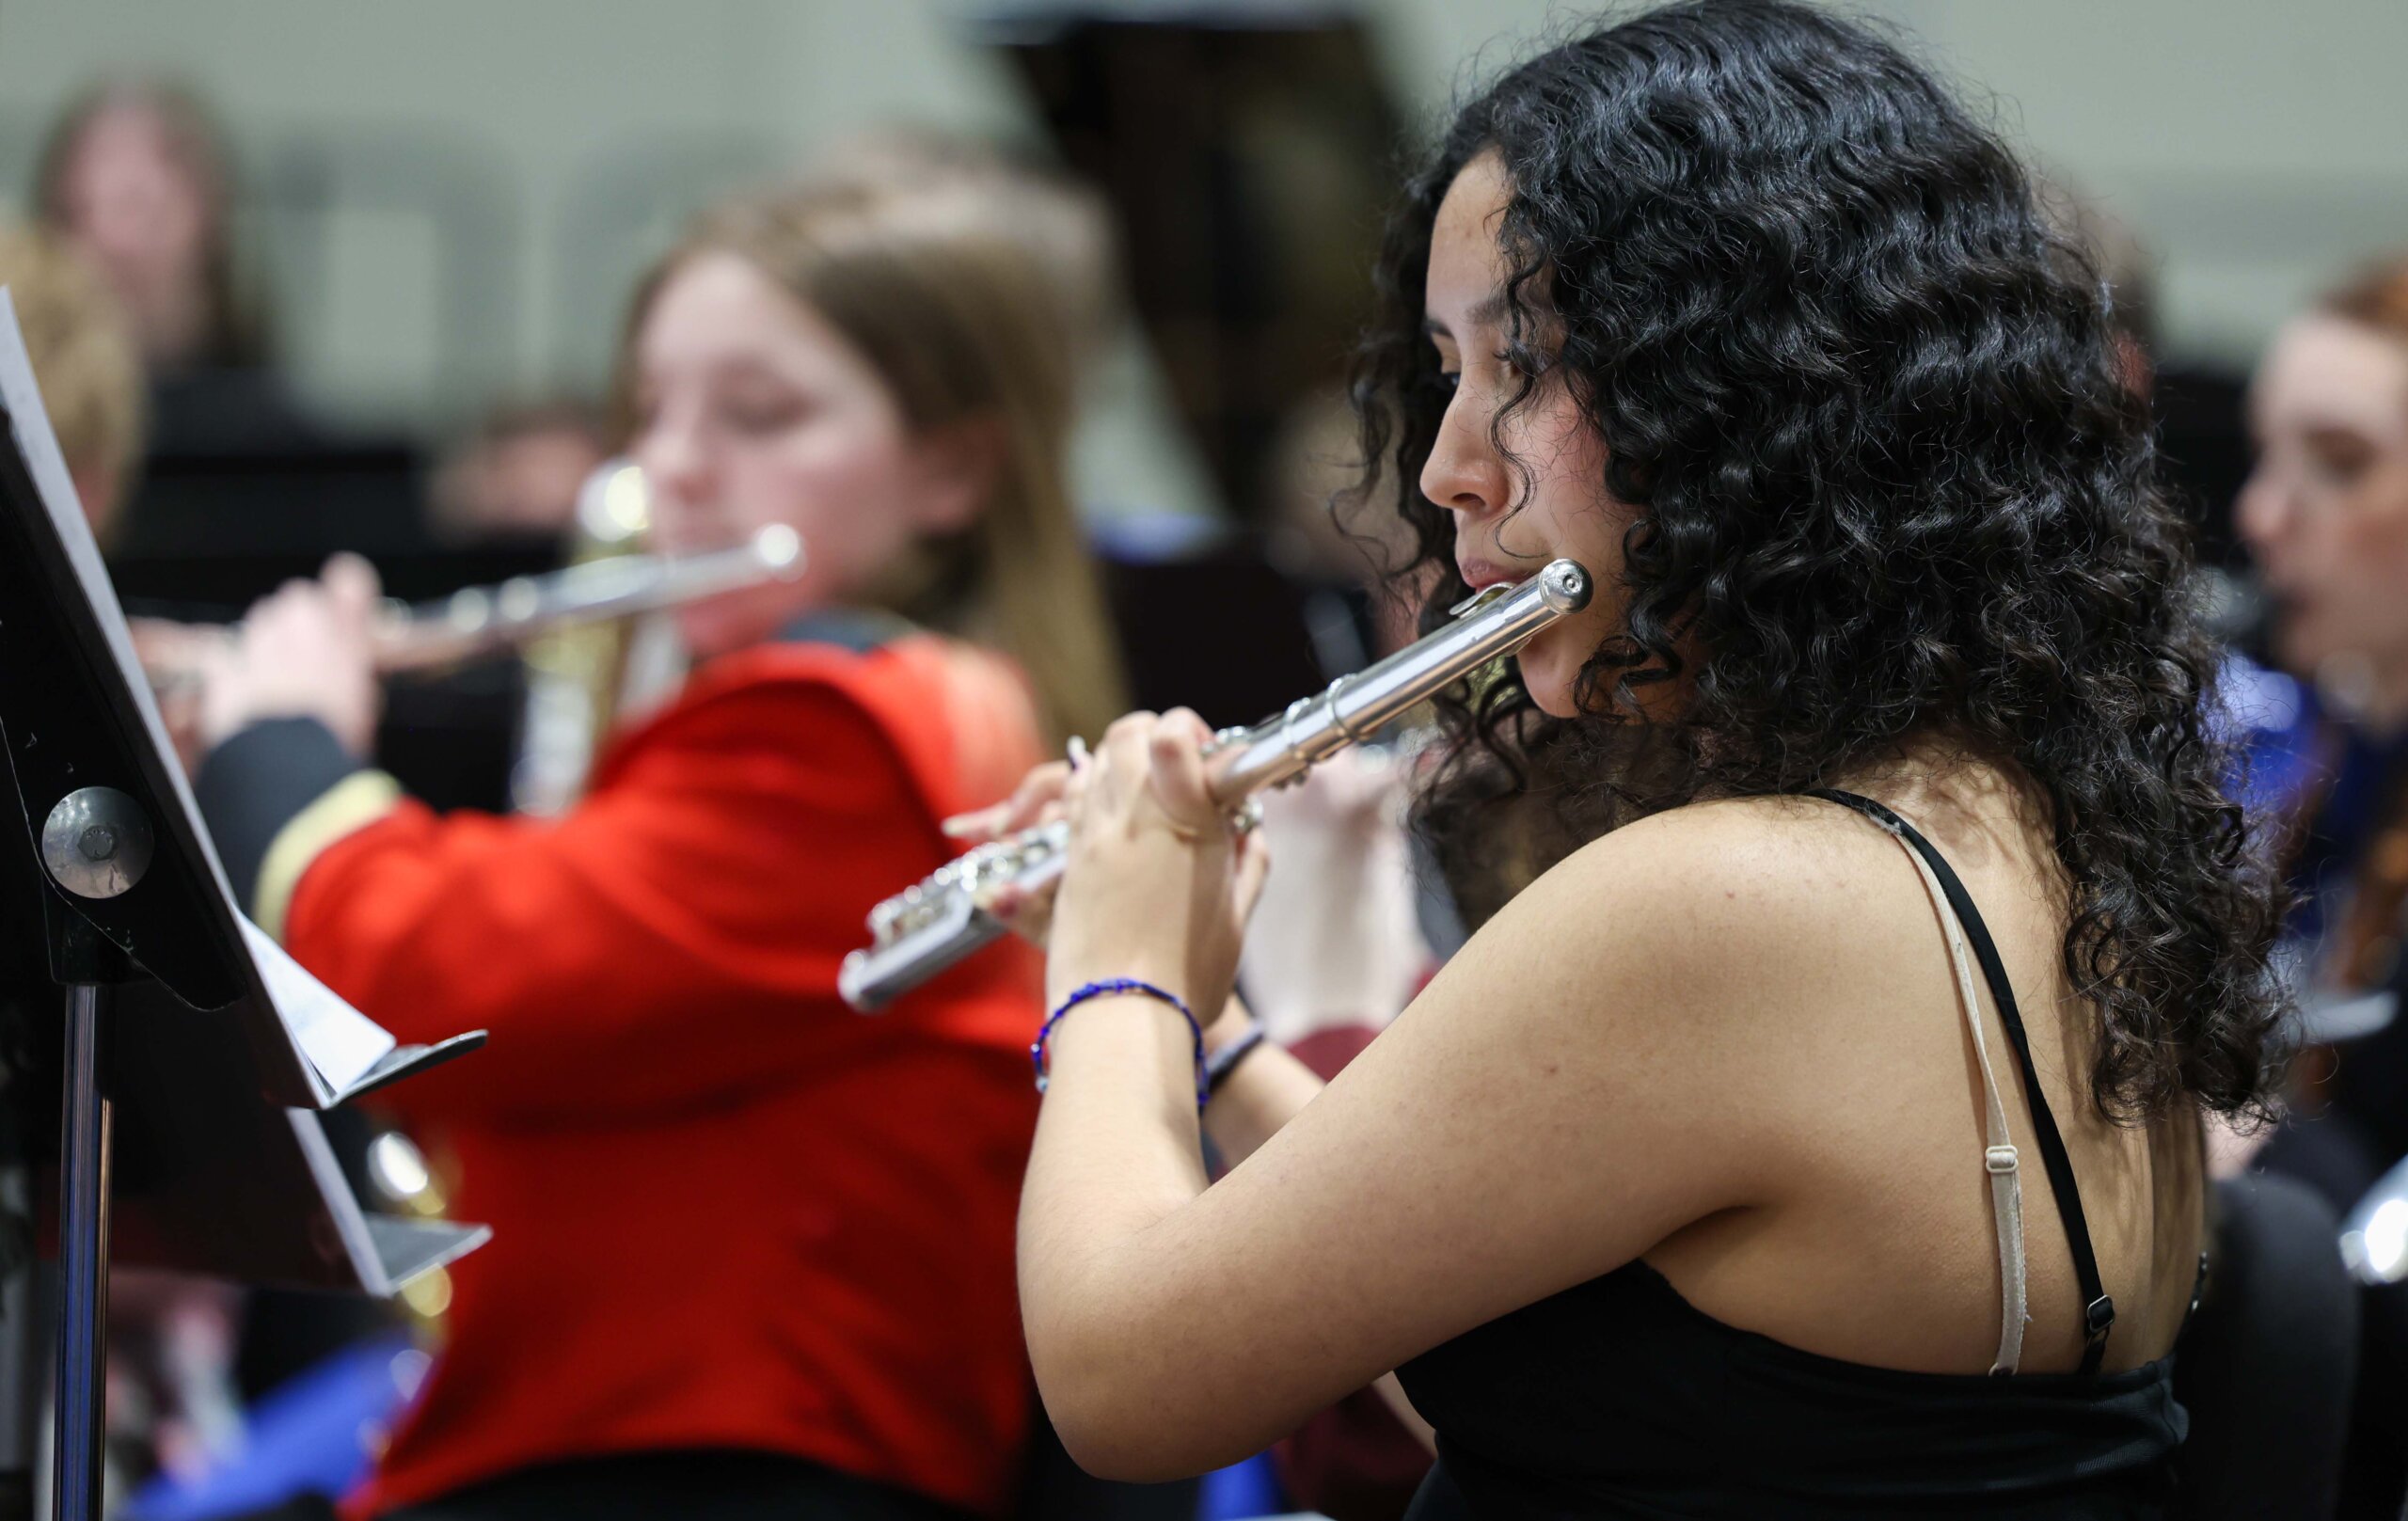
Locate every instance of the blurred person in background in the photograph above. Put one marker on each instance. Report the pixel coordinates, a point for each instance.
(136, 175)
(1062, 224)
(751, 1250)
(517, 475)
(85, 358)
(2324, 513)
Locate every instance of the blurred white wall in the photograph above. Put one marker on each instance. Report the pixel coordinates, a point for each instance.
(547, 116)
(553, 145)
(2259, 149)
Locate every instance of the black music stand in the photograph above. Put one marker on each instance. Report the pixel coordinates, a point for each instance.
(214, 1044)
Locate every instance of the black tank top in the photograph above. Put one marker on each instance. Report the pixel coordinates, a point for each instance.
(1618, 1397)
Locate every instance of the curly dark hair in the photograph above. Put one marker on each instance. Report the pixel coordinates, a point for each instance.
(1888, 486)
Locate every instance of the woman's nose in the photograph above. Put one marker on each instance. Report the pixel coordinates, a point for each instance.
(1464, 473)
(675, 459)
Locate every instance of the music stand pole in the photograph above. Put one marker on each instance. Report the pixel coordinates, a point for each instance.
(83, 1264)
(97, 843)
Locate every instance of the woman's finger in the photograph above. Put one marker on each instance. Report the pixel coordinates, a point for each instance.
(1116, 777)
(979, 825)
(1026, 913)
(1037, 790)
(350, 589)
(1177, 760)
(1187, 720)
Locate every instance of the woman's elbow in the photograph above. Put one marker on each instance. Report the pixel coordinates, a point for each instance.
(1136, 1450)
(1114, 1448)
(1121, 1418)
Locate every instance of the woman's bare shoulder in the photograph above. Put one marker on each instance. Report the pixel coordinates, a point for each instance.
(1732, 911)
(1740, 866)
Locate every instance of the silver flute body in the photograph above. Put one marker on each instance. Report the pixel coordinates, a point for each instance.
(939, 921)
(487, 619)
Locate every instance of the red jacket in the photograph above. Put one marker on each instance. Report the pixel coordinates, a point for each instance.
(727, 1211)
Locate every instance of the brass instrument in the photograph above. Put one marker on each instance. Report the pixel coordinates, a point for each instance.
(931, 925)
(581, 681)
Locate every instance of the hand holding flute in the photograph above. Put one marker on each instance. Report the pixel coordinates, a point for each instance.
(307, 650)
(211, 680)
(1172, 881)
(927, 927)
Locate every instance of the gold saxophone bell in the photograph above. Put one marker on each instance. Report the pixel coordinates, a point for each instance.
(581, 680)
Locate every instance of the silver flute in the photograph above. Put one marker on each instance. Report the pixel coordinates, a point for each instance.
(487, 619)
(935, 924)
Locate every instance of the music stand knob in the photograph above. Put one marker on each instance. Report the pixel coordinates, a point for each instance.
(97, 843)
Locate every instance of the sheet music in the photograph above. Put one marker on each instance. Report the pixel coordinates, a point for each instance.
(341, 1043)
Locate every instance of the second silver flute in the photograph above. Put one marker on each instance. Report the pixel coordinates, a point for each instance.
(488, 620)
(930, 926)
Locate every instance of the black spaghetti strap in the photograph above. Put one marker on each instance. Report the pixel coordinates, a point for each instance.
(2099, 1311)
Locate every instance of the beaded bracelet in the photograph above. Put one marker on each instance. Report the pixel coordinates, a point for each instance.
(1036, 1048)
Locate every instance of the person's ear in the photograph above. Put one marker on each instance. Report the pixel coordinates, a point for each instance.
(957, 466)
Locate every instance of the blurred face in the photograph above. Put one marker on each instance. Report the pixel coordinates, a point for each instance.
(133, 205)
(1509, 521)
(2325, 512)
(752, 410)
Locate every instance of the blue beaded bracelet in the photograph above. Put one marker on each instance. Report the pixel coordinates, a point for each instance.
(1122, 985)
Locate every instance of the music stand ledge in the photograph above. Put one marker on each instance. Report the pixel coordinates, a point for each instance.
(194, 1053)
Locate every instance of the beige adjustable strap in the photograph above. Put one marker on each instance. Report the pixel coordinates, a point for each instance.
(1999, 1155)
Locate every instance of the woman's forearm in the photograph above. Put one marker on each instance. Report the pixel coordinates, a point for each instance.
(1116, 1151)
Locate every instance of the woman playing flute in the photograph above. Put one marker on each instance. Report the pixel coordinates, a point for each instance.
(1812, 1130)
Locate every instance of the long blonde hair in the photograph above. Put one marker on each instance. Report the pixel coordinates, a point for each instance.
(933, 286)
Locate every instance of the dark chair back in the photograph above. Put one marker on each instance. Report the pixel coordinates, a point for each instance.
(2269, 1363)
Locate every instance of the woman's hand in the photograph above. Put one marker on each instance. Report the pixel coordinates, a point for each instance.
(306, 651)
(1158, 885)
(179, 661)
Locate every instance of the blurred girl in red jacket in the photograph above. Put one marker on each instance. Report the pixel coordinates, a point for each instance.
(751, 1251)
